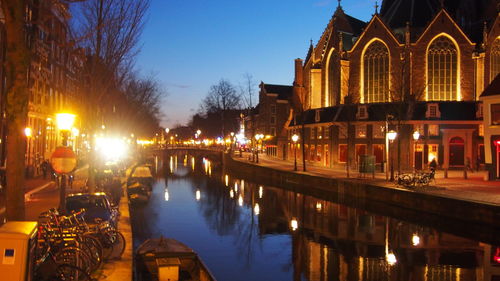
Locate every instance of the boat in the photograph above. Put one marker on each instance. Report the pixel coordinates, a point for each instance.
(168, 259)
(140, 184)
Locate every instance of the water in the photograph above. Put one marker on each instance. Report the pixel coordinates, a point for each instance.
(246, 231)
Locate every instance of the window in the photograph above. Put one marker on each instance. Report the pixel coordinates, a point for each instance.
(479, 110)
(433, 152)
(342, 132)
(360, 150)
(362, 112)
(317, 116)
(376, 73)
(273, 120)
(273, 109)
(495, 114)
(319, 153)
(378, 131)
(327, 132)
(378, 151)
(432, 111)
(495, 59)
(361, 131)
(433, 130)
(313, 153)
(342, 153)
(442, 69)
(480, 130)
(313, 133)
(320, 132)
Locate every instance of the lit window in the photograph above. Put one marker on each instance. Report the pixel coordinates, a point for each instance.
(361, 131)
(433, 152)
(432, 111)
(327, 132)
(495, 114)
(479, 111)
(342, 132)
(362, 112)
(378, 131)
(495, 59)
(320, 132)
(313, 133)
(376, 73)
(480, 130)
(442, 68)
(433, 130)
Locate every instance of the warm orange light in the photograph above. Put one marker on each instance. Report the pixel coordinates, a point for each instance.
(28, 132)
(65, 121)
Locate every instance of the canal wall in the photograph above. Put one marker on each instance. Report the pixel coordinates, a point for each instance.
(366, 194)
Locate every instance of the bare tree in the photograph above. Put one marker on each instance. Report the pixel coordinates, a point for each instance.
(221, 98)
(110, 31)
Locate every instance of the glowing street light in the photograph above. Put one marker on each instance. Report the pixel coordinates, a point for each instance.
(295, 138)
(391, 135)
(416, 136)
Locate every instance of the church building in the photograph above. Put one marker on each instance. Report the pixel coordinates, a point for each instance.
(417, 69)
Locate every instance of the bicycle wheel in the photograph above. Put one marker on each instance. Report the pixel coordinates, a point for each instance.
(407, 180)
(93, 249)
(118, 246)
(71, 272)
(74, 256)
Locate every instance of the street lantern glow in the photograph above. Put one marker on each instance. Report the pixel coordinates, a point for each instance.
(28, 132)
(391, 258)
(416, 135)
(295, 138)
(391, 135)
(294, 224)
(167, 130)
(256, 209)
(415, 239)
(65, 121)
(75, 131)
(198, 132)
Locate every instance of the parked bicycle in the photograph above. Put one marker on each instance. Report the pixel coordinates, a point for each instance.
(416, 179)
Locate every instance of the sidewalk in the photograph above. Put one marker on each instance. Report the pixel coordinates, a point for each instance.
(474, 188)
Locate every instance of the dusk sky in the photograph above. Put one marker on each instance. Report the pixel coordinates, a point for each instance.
(190, 45)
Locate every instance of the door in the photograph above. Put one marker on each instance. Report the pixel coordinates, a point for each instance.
(418, 160)
(456, 152)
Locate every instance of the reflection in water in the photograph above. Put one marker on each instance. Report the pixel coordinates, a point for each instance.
(254, 232)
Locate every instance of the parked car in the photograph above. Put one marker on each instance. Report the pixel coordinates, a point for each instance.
(97, 206)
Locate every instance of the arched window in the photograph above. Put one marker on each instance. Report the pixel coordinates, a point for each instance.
(376, 73)
(495, 59)
(442, 68)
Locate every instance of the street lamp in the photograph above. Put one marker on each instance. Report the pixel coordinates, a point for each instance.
(28, 132)
(416, 136)
(391, 135)
(64, 124)
(295, 138)
(258, 137)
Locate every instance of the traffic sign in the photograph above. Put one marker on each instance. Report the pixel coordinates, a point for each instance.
(63, 160)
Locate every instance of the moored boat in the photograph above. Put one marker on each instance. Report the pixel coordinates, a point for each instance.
(168, 259)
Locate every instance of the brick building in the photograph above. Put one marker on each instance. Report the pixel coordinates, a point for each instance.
(54, 77)
(412, 67)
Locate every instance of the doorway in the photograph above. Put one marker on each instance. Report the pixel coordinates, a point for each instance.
(457, 152)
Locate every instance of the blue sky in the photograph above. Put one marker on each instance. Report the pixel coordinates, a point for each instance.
(190, 45)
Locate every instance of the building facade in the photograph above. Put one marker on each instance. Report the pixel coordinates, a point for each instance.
(405, 70)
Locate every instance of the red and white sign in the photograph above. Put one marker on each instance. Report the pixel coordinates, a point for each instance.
(63, 160)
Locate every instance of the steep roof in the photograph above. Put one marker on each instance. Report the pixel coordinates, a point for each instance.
(493, 89)
(284, 92)
(450, 111)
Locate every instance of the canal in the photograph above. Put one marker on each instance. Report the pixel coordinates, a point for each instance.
(248, 231)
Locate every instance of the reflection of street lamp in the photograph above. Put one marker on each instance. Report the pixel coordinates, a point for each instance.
(295, 138)
(391, 135)
(416, 136)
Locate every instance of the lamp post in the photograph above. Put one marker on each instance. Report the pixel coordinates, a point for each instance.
(391, 135)
(295, 138)
(416, 136)
(64, 124)
(258, 137)
(28, 133)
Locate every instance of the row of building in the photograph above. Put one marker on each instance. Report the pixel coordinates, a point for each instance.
(417, 66)
(53, 79)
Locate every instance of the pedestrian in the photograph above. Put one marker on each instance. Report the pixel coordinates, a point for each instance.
(433, 165)
(467, 165)
(45, 168)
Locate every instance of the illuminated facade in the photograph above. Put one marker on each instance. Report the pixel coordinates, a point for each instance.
(405, 70)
